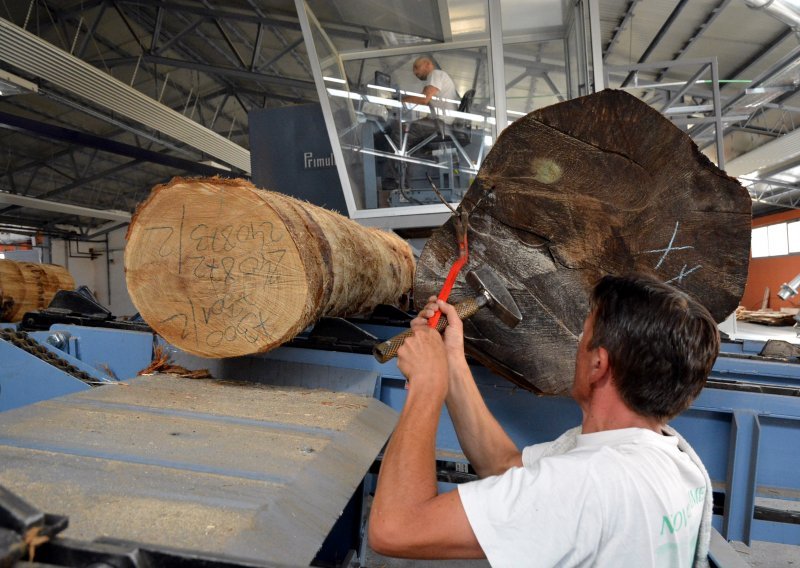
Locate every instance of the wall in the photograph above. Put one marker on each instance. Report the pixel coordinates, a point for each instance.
(771, 271)
(95, 273)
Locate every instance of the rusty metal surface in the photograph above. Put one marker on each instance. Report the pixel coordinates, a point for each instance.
(246, 470)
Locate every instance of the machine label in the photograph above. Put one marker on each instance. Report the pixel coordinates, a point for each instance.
(310, 162)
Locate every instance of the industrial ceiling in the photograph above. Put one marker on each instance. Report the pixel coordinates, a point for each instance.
(186, 75)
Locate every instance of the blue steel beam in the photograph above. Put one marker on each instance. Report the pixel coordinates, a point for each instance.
(50, 131)
(743, 462)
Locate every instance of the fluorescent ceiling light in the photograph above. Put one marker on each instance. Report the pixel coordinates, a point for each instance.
(345, 94)
(384, 102)
(65, 208)
(379, 88)
(214, 164)
(689, 109)
(10, 85)
(335, 80)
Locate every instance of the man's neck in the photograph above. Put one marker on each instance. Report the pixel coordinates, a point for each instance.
(604, 411)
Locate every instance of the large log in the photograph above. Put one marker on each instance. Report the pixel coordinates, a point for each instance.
(599, 185)
(27, 287)
(220, 268)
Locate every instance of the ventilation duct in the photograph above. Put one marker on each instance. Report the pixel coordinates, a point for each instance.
(787, 11)
(40, 58)
(767, 157)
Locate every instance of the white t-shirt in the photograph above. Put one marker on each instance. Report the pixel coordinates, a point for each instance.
(447, 90)
(619, 498)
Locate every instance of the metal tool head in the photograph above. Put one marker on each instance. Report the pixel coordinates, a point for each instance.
(499, 299)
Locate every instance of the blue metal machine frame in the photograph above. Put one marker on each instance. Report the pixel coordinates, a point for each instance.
(744, 438)
(744, 426)
(103, 354)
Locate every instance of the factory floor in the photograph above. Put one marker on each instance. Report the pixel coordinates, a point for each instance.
(759, 555)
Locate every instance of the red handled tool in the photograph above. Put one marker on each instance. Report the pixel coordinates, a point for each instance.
(461, 223)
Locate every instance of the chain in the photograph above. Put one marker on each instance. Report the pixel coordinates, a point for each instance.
(23, 341)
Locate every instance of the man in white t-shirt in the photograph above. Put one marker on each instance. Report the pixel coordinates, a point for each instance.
(623, 489)
(438, 94)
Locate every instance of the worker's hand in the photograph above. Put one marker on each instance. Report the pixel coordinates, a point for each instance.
(423, 360)
(453, 333)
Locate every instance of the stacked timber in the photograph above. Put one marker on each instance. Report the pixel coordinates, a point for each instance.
(765, 317)
(603, 184)
(220, 268)
(27, 287)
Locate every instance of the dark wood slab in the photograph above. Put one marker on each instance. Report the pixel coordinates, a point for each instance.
(603, 184)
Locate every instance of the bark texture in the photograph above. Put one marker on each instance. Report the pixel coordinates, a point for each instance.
(598, 185)
(27, 287)
(220, 268)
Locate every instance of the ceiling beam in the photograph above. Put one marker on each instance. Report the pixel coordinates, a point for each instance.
(80, 182)
(43, 205)
(658, 37)
(214, 70)
(250, 16)
(42, 59)
(50, 131)
(697, 33)
(620, 27)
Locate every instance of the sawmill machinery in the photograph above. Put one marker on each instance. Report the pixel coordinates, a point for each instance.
(271, 461)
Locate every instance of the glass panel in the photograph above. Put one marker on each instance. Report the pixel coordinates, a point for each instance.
(576, 60)
(399, 152)
(536, 76)
(535, 69)
(468, 18)
(396, 150)
(760, 242)
(587, 46)
(778, 244)
(793, 232)
(579, 50)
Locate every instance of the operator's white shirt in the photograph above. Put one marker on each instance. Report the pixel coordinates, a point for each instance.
(619, 498)
(447, 92)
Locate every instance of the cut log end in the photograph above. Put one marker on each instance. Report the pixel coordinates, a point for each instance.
(27, 287)
(220, 268)
(215, 266)
(598, 185)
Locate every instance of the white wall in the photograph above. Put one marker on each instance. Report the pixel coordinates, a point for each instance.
(95, 273)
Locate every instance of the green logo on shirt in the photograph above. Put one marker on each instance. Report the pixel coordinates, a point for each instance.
(679, 519)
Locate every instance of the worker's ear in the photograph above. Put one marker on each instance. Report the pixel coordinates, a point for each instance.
(599, 366)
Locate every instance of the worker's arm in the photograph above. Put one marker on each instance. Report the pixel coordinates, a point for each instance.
(408, 517)
(427, 94)
(485, 443)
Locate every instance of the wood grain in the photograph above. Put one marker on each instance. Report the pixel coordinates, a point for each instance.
(598, 185)
(221, 268)
(27, 287)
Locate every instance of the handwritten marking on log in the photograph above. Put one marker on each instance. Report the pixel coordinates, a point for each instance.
(220, 268)
(683, 274)
(669, 248)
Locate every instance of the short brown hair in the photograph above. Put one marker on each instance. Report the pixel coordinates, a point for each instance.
(661, 342)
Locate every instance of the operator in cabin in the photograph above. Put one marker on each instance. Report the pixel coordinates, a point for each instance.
(622, 489)
(438, 92)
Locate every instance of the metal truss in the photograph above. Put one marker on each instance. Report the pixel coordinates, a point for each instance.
(773, 192)
(166, 36)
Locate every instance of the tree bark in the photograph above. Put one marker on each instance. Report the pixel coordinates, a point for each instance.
(220, 268)
(598, 185)
(27, 287)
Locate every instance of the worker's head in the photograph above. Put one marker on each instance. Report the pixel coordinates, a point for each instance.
(423, 66)
(661, 343)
